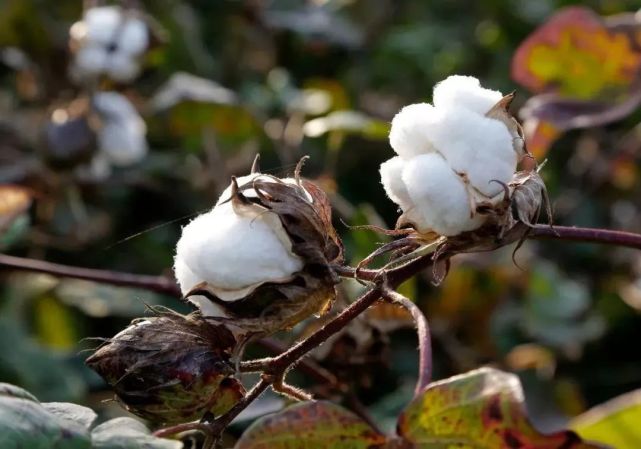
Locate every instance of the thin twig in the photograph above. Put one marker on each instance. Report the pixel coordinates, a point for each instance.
(158, 284)
(424, 339)
(588, 235)
(180, 428)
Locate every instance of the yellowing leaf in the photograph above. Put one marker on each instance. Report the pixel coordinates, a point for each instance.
(585, 70)
(576, 55)
(311, 425)
(482, 409)
(615, 423)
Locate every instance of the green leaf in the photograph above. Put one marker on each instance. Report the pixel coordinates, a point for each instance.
(615, 422)
(311, 425)
(75, 413)
(128, 433)
(482, 409)
(25, 423)
(347, 122)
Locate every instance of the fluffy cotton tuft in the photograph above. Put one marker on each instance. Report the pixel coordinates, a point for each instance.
(408, 135)
(234, 249)
(108, 41)
(439, 195)
(391, 172)
(465, 92)
(449, 154)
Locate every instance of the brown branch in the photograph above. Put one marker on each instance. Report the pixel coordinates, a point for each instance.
(424, 339)
(588, 235)
(158, 284)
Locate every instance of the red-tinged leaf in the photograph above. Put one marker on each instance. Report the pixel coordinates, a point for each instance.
(576, 55)
(586, 69)
(14, 200)
(482, 409)
(311, 425)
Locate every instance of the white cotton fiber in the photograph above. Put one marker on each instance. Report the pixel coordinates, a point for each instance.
(465, 92)
(439, 195)
(408, 132)
(477, 146)
(391, 178)
(234, 251)
(187, 280)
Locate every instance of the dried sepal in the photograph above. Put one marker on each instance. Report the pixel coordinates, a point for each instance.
(170, 368)
(501, 112)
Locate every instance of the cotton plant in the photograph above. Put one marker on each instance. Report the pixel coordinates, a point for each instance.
(110, 42)
(266, 257)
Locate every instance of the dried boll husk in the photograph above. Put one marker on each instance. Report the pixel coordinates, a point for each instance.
(304, 213)
(170, 368)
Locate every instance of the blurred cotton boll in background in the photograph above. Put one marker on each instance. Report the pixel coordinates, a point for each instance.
(451, 156)
(121, 138)
(109, 41)
(120, 135)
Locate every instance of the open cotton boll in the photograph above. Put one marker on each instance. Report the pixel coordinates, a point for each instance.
(391, 178)
(439, 195)
(465, 92)
(235, 252)
(476, 146)
(408, 136)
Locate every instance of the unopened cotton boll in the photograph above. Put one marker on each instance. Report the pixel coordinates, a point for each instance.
(452, 156)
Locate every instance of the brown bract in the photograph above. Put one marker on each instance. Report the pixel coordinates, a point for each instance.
(304, 211)
(170, 368)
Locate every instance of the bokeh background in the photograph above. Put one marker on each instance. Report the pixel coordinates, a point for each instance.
(320, 78)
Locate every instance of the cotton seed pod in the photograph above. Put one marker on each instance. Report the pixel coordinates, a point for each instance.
(261, 259)
(170, 368)
(454, 158)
